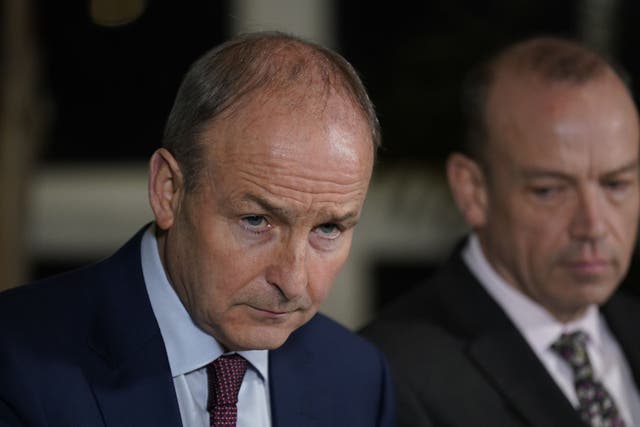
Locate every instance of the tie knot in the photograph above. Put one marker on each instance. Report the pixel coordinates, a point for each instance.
(225, 378)
(573, 349)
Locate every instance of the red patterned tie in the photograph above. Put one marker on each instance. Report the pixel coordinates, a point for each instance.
(597, 408)
(225, 377)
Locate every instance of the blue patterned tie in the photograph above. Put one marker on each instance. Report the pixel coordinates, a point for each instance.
(597, 408)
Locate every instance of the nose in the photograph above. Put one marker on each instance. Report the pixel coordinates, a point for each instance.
(288, 270)
(588, 222)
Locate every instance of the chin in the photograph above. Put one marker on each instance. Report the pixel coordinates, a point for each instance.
(261, 338)
(594, 294)
(601, 296)
(262, 331)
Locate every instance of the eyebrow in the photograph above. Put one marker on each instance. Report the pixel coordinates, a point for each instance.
(276, 211)
(283, 214)
(542, 173)
(630, 167)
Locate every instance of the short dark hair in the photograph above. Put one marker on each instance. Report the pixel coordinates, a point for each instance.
(552, 59)
(224, 76)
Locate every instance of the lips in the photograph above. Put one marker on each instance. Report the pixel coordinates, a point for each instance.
(591, 266)
(274, 312)
(270, 313)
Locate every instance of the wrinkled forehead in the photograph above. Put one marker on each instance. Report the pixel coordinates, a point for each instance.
(302, 121)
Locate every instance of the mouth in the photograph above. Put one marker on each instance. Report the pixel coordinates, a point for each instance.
(588, 267)
(265, 313)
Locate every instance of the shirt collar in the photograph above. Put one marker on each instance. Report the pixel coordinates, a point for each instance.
(188, 347)
(536, 324)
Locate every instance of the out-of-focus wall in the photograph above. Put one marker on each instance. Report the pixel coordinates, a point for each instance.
(21, 116)
(312, 19)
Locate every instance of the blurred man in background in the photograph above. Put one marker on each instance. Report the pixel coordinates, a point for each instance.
(524, 325)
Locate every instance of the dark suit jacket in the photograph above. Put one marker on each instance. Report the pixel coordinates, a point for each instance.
(457, 360)
(84, 349)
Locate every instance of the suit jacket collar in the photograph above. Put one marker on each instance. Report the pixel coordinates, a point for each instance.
(295, 399)
(130, 373)
(498, 349)
(622, 314)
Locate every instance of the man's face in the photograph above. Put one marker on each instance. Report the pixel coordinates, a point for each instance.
(253, 252)
(561, 189)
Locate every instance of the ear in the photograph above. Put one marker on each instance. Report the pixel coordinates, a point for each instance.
(468, 186)
(166, 186)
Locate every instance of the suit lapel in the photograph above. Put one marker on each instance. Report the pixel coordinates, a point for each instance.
(511, 366)
(137, 391)
(128, 368)
(500, 352)
(622, 314)
(295, 398)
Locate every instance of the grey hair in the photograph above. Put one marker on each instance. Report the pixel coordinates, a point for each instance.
(225, 76)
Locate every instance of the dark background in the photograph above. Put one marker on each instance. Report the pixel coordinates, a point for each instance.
(111, 88)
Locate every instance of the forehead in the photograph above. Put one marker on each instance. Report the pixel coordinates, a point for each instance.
(292, 148)
(313, 120)
(591, 126)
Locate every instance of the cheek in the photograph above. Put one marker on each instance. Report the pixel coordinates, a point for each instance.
(221, 270)
(626, 224)
(531, 239)
(624, 238)
(545, 240)
(323, 270)
(235, 270)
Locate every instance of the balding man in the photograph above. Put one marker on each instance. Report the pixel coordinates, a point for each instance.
(524, 325)
(208, 317)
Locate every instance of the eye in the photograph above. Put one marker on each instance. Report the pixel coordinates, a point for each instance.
(542, 192)
(547, 192)
(619, 188)
(255, 223)
(617, 185)
(328, 231)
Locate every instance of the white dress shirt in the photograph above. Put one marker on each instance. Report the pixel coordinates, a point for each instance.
(190, 349)
(541, 329)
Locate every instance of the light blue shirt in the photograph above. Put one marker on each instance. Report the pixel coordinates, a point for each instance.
(190, 349)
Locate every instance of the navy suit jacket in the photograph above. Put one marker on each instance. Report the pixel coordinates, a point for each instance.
(84, 349)
(459, 361)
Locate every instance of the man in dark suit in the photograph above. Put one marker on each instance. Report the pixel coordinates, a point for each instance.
(523, 326)
(209, 315)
